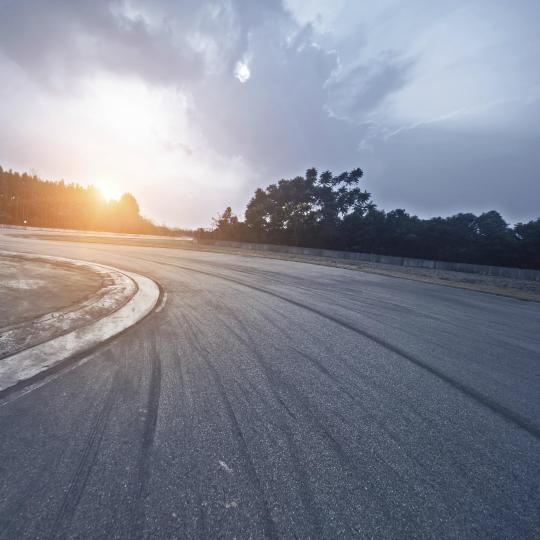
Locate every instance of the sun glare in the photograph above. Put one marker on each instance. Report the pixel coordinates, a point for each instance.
(109, 191)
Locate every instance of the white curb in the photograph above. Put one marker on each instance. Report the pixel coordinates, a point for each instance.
(32, 361)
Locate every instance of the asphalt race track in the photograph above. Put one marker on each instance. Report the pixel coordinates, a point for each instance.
(266, 398)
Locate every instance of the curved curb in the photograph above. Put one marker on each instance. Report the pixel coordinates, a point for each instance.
(116, 290)
(33, 361)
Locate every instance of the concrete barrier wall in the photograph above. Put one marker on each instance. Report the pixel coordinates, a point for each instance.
(497, 271)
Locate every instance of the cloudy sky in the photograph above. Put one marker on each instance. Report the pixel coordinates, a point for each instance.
(190, 105)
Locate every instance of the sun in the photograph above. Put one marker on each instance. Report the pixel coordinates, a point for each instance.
(109, 191)
(242, 72)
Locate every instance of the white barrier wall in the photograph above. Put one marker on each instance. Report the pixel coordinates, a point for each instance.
(498, 271)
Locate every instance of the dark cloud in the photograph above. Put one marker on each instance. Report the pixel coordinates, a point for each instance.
(57, 40)
(360, 90)
(314, 96)
(433, 170)
(279, 118)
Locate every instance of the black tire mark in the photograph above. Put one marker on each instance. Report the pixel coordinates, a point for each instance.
(78, 482)
(195, 468)
(149, 431)
(268, 524)
(213, 376)
(305, 493)
(502, 411)
(347, 462)
(38, 488)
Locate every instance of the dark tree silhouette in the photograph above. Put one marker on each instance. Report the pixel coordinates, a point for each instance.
(226, 225)
(528, 243)
(333, 212)
(294, 210)
(28, 200)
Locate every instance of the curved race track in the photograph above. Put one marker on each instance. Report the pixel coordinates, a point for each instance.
(280, 399)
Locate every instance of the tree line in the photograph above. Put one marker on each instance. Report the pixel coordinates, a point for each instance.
(334, 212)
(315, 210)
(31, 201)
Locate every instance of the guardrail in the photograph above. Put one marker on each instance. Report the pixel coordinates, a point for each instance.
(497, 271)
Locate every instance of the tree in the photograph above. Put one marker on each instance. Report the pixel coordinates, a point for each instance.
(323, 210)
(528, 239)
(257, 215)
(305, 210)
(44, 203)
(226, 225)
(128, 205)
(494, 239)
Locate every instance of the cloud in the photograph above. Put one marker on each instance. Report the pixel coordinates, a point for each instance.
(357, 92)
(60, 40)
(434, 169)
(204, 101)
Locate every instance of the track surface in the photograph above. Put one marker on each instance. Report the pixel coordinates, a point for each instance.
(279, 399)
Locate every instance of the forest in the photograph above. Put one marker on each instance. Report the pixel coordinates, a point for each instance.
(334, 212)
(31, 201)
(315, 210)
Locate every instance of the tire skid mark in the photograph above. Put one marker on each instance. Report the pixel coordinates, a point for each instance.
(344, 457)
(347, 462)
(199, 516)
(502, 411)
(305, 493)
(268, 524)
(277, 380)
(89, 454)
(36, 486)
(369, 384)
(147, 443)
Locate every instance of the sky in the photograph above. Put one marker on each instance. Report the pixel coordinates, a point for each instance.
(192, 105)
